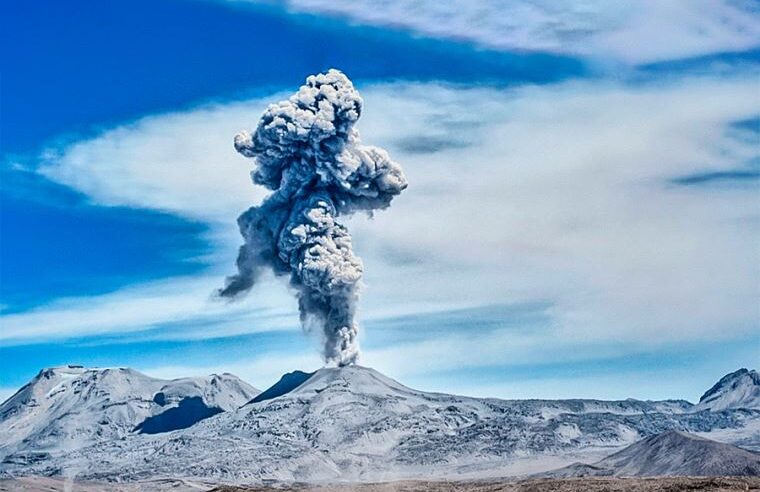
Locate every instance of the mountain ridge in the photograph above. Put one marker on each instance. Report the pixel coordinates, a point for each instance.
(355, 424)
(78, 406)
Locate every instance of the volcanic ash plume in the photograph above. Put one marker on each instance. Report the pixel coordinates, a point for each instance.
(308, 152)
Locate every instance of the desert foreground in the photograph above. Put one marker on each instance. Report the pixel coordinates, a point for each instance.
(670, 484)
(665, 484)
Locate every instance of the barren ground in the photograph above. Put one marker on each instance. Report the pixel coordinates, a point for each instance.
(677, 484)
(538, 485)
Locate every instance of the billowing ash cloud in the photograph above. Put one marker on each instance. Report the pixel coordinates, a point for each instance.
(308, 152)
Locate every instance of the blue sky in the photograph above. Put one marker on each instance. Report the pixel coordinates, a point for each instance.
(582, 213)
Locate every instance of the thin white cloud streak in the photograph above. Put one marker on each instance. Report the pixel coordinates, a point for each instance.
(154, 311)
(633, 31)
(183, 163)
(560, 195)
(147, 306)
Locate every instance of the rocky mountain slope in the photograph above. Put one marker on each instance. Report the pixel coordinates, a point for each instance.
(740, 389)
(353, 423)
(670, 453)
(71, 407)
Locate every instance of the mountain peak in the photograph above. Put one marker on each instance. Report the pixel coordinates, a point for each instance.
(68, 368)
(79, 369)
(78, 405)
(739, 389)
(673, 436)
(353, 379)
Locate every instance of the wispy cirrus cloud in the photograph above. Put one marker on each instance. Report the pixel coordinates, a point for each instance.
(181, 162)
(184, 301)
(632, 31)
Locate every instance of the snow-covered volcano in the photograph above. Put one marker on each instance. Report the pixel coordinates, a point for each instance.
(740, 389)
(70, 407)
(353, 423)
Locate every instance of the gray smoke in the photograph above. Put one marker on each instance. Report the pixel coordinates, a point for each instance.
(308, 152)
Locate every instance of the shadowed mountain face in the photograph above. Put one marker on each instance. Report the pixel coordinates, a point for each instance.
(189, 411)
(355, 424)
(286, 384)
(670, 453)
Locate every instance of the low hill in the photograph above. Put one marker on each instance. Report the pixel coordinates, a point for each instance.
(670, 453)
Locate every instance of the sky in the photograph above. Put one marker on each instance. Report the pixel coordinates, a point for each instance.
(582, 217)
